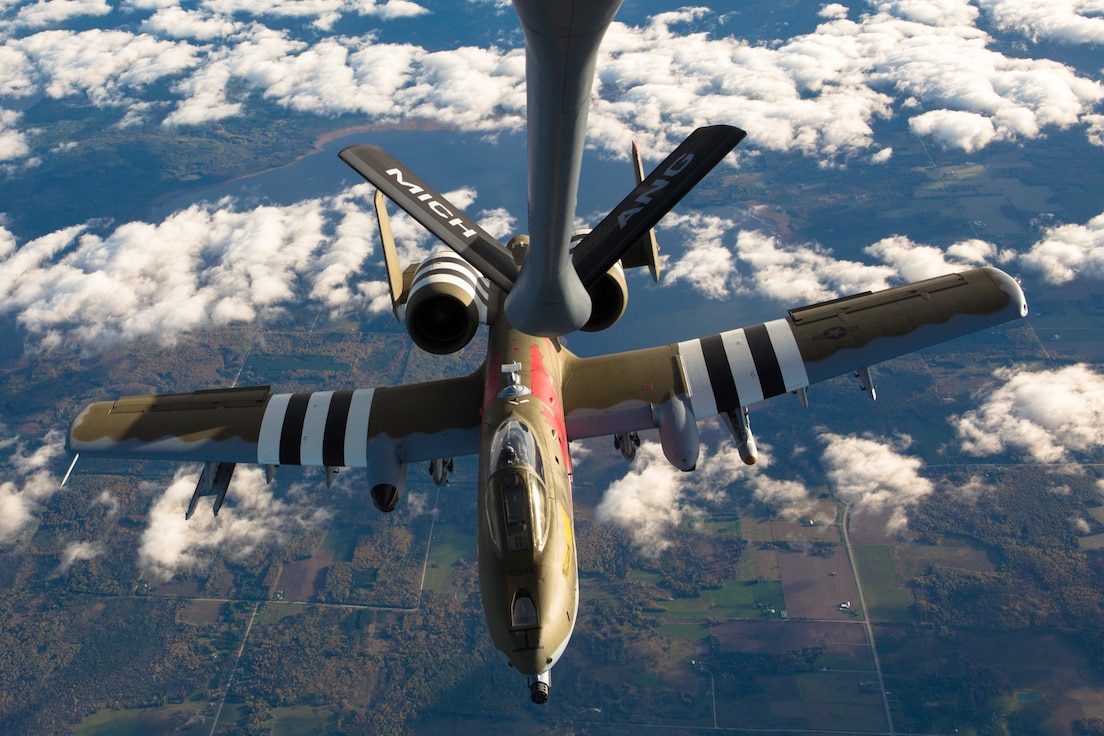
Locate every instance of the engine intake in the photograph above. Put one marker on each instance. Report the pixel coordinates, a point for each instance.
(446, 304)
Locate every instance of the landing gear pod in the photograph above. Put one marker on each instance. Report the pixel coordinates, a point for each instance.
(678, 432)
(385, 497)
(387, 474)
(441, 469)
(627, 444)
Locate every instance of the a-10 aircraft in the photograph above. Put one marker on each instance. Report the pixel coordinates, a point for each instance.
(531, 397)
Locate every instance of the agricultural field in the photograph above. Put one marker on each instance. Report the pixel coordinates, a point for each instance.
(886, 598)
(451, 547)
(817, 586)
(641, 654)
(385, 610)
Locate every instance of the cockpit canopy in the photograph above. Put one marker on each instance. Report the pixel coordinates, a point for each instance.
(517, 502)
(514, 445)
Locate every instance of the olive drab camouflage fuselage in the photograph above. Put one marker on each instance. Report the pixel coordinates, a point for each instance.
(528, 574)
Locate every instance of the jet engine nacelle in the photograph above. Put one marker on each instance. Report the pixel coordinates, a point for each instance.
(386, 473)
(446, 303)
(609, 296)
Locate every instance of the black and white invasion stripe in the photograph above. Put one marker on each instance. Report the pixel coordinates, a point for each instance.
(316, 428)
(742, 367)
(446, 267)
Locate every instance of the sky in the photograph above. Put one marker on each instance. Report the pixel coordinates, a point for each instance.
(963, 76)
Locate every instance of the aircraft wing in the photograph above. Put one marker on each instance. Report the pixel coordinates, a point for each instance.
(372, 428)
(671, 387)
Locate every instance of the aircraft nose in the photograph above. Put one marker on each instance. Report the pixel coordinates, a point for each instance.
(531, 662)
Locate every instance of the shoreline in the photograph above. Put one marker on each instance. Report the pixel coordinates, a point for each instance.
(317, 147)
(325, 139)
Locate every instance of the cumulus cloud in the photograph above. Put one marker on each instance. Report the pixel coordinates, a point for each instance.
(804, 272)
(1067, 21)
(818, 93)
(880, 157)
(1068, 251)
(390, 9)
(13, 142)
(107, 67)
(207, 265)
(26, 482)
(973, 489)
(49, 12)
(719, 259)
(944, 63)
(654, 497)
(705, 263)
(469, 88)
(198, 24)
(205, 98)
(790, 499)
(77, 551)
(105, 498)
(915, 261)
(969, 131)
(252, 518)
(656, 80)
(212, 264)
(1051, 415)
(324, 13)
(498, 222)
(417, 504)
(1094, 129)
(931, 12)
(874, 475)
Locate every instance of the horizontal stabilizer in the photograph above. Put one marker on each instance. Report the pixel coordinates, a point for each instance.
(653, 198)
(451, 226)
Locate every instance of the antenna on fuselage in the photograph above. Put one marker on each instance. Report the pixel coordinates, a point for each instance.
(514, 387)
